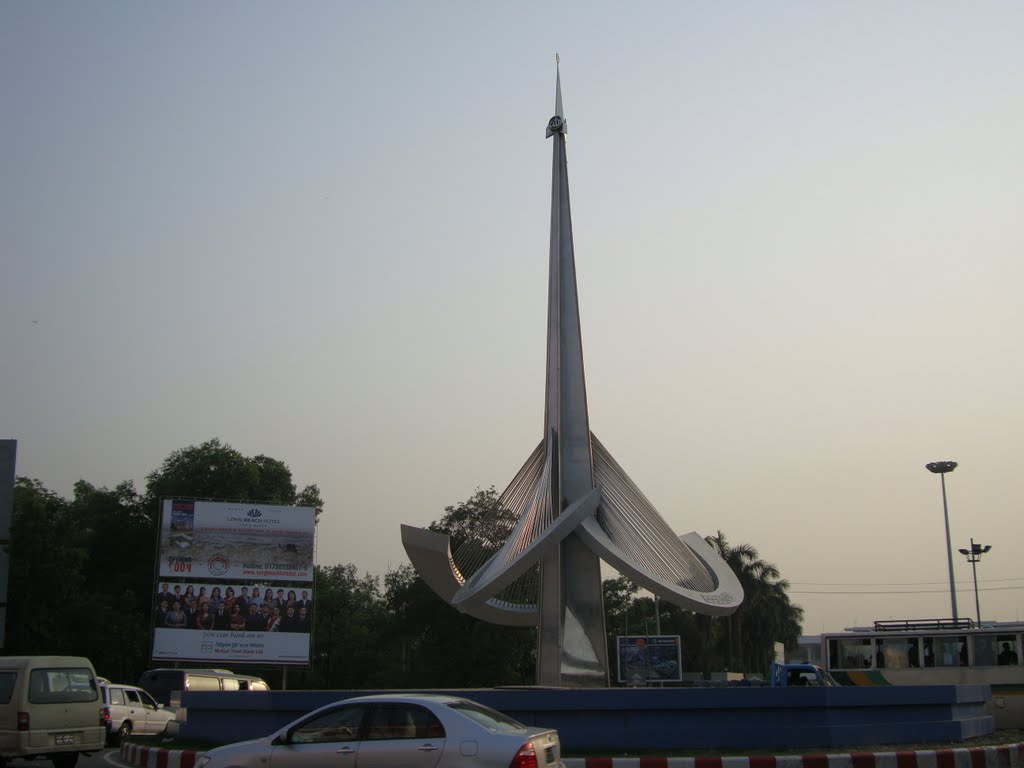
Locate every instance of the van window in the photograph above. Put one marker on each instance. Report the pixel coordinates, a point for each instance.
(203, 683)
(61, 686)
(258, 685)
(7, 680)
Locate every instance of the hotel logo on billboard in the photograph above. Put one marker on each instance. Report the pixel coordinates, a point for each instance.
(252, 519)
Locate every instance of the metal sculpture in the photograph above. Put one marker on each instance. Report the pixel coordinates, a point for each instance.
(535, 561)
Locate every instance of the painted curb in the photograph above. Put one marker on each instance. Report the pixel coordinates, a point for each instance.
(1002, 756)
(157, 757)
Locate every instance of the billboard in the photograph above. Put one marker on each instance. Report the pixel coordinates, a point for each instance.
(208, 539)
(230, 621)
(234, 582)
(649, 658)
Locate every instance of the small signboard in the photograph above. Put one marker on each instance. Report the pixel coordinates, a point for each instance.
(644, 659)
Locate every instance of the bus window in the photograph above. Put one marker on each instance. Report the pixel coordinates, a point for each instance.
(854, 653)
(1008, 655)
(992, 650)
(896, 653)
(945, 651)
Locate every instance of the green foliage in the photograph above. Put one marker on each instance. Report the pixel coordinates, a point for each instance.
(766, 616)
(440, 647)
(349, 628)
(47, 554)
(476, 521)
(215, 470)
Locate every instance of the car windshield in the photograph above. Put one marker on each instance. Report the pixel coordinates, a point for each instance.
(489, 718)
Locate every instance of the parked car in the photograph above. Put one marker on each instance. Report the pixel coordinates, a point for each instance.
(49, 708)
(128, 709)
(387, 730)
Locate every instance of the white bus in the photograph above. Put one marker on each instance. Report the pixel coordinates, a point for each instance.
(934, 652)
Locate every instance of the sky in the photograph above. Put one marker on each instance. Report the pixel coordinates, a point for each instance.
(319, 231)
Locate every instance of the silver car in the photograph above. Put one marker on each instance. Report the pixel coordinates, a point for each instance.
(392, 731)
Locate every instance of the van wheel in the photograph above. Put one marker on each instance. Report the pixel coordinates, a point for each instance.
(122, 733)
(65, 760)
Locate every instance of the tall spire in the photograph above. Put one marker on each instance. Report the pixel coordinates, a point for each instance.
(573, 642)
(569, 507)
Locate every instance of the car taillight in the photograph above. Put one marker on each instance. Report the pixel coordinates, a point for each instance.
(23, 721)
(105, 716)
(526, 757)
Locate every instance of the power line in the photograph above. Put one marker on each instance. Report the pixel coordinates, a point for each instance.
(892, 592)
(890, 583)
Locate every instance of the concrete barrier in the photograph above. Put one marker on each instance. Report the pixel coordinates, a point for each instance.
(660, 719)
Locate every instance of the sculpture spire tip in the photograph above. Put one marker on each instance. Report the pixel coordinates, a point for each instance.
(557, 123)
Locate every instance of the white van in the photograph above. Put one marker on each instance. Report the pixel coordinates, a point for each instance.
(163, 684)
(49, 708)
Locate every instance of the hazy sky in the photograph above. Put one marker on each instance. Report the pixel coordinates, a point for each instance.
(319, 231)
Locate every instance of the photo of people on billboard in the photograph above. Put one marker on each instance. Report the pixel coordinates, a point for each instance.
(234, 607)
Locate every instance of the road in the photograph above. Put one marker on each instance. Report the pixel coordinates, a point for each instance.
(108, 758)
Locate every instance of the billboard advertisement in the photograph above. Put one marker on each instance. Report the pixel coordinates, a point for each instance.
(244, 541)
(234, 582)
(226, 621)
(649, 658)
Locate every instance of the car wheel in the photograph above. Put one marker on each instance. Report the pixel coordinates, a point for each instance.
(65, 760)
(123, 733)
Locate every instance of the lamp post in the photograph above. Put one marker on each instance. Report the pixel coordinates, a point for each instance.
(973, 556)
(940, 468)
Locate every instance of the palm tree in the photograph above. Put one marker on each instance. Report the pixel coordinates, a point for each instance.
(766, 616)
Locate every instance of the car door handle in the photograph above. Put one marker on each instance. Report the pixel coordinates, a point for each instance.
(428, 748)
(346, 751)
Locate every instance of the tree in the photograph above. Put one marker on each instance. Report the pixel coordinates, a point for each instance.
(766, 616)
(215, 470)
(119, 582)
(349, 629)
(439, 647)
(47, 557)
(434, 644)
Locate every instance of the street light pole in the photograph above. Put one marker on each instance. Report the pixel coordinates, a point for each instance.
(940, 468)
(973, 556)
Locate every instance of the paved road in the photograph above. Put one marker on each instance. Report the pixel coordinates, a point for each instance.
(108, 758)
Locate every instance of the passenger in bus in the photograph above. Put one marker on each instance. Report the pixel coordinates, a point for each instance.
(929, 655)
(1007, 656)
(912, 654)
